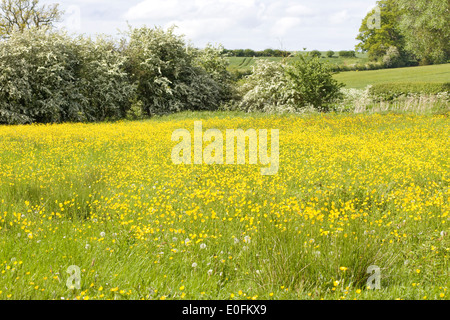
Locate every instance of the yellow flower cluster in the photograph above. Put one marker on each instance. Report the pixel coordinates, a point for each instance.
(351, 191)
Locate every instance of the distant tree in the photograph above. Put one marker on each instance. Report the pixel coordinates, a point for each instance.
(239, 53)
(376, 41)
(249, 53)
(18, 15)
(313, 83)
(393, 59)
(347, 54)
(316, 53)
(330, 53)
(426, 28)
(269, 53)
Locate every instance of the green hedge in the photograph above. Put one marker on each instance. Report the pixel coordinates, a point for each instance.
(389, 91)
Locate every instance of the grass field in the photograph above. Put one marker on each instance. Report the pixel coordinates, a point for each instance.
(352, 191)
(246, 64)
(361, 79)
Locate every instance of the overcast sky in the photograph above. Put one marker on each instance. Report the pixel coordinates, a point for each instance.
(255, 24)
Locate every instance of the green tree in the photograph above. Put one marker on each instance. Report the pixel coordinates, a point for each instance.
(249, 53)
(426, 28)
(18, 15)
(316, 53)
(376, 41)
(313, 83)
(330, 53)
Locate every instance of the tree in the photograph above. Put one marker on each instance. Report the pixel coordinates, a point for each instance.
(249, 53)
(316, 53)
(18, 15)
(347, 54)
(330, 54)
(313, 83)
(426, 28)
(376, 41)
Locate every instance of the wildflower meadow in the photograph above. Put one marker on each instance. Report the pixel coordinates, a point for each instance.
(100, 211)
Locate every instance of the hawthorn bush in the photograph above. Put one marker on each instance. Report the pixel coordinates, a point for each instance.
(50, 77)
(279, 87)
(171, 76)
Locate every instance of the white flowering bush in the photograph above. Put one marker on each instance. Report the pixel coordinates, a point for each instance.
(50, 77)
(354, 100)
(267, 89)
(364, 100)
(104, 82)
(302, 85)
(172, 76)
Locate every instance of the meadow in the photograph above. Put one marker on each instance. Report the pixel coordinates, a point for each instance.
(245, 64)
(353, 191)
(361, 79)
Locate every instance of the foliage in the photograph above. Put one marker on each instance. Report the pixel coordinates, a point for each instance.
(249, 53)
(316, 53)
(393, 58)
(426, 28)
(418, 29)
(51, 77)
(377, 41)
(347, 54)
(267, 89)
(281, 86)
(18, 15)
(388, 91)
(212, 60)
(373, 100)
(313, 83)
(171, 76)
(330, 53)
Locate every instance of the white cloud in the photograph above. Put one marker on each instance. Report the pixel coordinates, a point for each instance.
(284, 25)
(299, 10)
(155, 10)
(200, 29)
(339, 17)
(256, 24)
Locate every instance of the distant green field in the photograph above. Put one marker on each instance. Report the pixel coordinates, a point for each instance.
(361, 79)
(246, 64)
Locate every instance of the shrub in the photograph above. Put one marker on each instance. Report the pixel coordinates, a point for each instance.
(279, 87)
(330, 53)
(171, 76)
(215, 64)
(104, 84)
(393, 58)
(389, 91)
(267, 89)
(313, 83)
(316, 53)
(50, 77)
(347, 54)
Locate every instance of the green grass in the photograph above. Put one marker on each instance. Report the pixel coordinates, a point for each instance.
(352, 191)
(361, 79)
(246, 63)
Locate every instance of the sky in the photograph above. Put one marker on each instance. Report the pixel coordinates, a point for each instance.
(236, 24)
